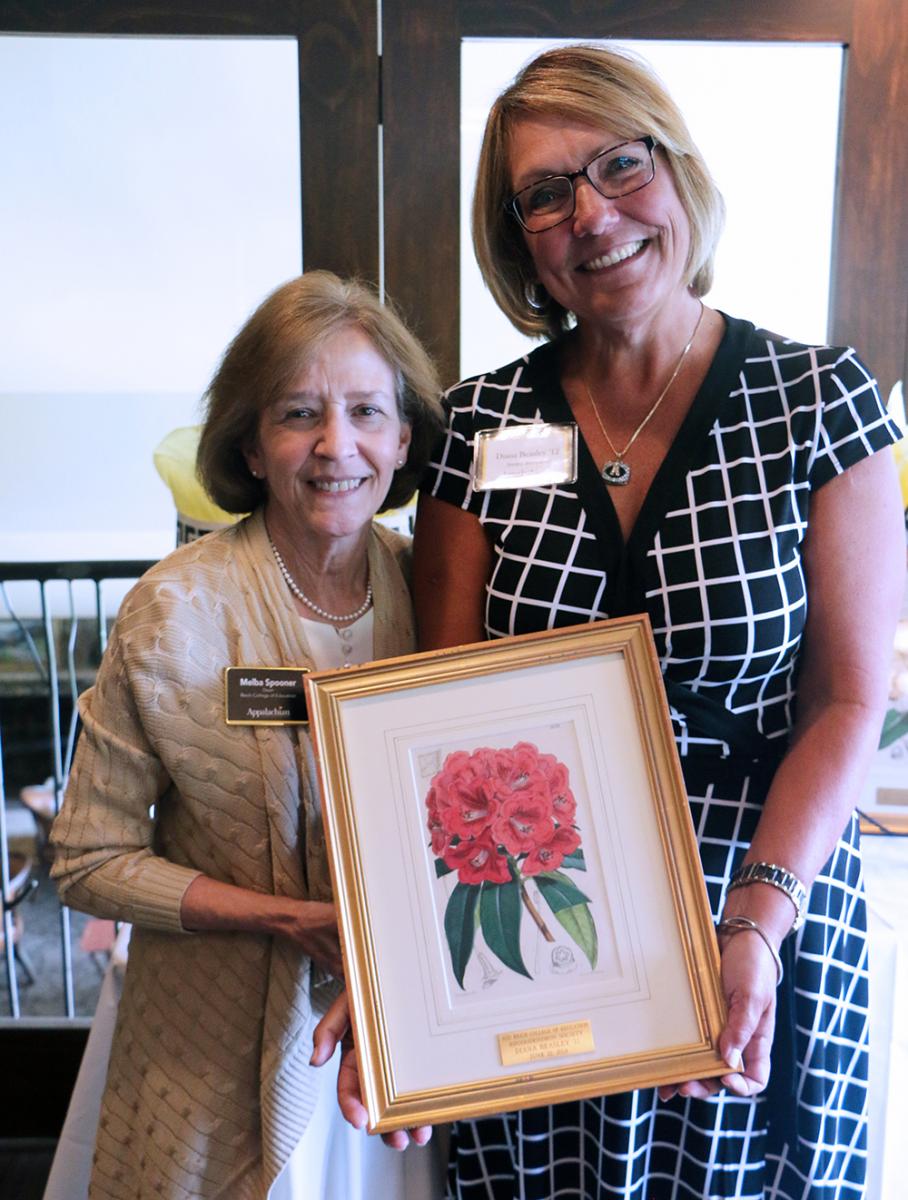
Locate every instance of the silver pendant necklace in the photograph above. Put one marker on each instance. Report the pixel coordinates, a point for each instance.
(616, 471)
(301, 595)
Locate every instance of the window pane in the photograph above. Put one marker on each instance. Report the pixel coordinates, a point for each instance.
(747, 105)
(149, 198)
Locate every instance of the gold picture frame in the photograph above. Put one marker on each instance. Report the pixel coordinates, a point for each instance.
(464, 1002)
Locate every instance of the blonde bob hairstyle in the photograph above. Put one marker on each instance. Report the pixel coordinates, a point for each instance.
(602, 87)
(278, 342)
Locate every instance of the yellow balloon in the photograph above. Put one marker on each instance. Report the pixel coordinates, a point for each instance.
(174, 459)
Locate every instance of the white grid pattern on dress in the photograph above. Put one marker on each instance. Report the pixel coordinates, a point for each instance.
(719, 570)
(723, 576)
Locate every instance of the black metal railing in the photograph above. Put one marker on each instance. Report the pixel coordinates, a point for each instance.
(54, 622)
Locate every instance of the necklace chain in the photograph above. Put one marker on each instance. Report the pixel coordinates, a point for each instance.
(301, 595)
(617, 471)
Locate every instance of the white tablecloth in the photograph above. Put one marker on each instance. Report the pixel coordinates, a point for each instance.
(334, 1161)
(71, 1168)
(886, 878)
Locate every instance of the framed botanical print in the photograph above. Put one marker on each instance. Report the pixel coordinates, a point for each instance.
(521, 903)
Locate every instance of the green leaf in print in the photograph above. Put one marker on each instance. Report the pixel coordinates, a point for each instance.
(442, 868)
(558, 891)
(460, 925)
(574, 862)
(578, 922)
(499, 918)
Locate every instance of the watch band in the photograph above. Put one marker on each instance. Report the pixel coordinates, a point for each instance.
(777, 877)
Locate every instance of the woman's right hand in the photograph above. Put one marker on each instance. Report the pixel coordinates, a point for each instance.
(208, 904)
(312, 925)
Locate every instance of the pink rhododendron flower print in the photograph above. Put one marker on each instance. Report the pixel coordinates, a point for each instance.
(524, 821)
(477, 860)
(499, 817)
(517, 796)
(563, 803)
(549, 857)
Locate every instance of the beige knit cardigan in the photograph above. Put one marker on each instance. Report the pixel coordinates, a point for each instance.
(209, 1087)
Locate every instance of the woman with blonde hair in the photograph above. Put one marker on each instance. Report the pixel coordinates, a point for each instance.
(725, 476)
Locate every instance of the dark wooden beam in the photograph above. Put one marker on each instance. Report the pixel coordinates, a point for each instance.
(869, 293)
(421, 106)
(339, 100)
(741, 20)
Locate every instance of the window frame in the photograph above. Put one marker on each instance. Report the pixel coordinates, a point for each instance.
(338, 98)
(421, 104)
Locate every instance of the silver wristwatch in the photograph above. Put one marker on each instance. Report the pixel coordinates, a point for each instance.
(778, 877)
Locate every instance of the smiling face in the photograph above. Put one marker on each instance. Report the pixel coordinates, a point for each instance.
(327, 450)
(613, 260)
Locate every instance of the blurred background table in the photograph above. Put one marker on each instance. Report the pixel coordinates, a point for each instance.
(886, 877)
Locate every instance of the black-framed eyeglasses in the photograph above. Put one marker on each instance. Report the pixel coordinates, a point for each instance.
(615, 172)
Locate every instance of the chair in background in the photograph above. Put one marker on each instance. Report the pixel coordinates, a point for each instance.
(20, 887)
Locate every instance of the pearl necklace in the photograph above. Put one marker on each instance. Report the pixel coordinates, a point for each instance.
(616, 471)
(301, 595)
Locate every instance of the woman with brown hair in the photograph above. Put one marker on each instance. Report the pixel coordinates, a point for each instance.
(206, 833)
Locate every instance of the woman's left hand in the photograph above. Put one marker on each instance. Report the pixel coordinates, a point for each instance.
(749, 981)
(334, 1028)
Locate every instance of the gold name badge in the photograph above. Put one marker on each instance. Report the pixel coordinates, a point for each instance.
(265, 696)
(549, 1041)
(537, 455)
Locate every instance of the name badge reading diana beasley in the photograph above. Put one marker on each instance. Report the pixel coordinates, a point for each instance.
(265, 695)
(524, 456)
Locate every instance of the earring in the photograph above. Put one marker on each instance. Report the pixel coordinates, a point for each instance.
(400, 462)
(255, 474)
(536, 296)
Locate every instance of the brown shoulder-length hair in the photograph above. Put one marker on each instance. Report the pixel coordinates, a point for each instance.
(266, 356)
(598, 86)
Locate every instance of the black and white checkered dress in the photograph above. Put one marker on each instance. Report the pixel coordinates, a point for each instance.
(715, 559)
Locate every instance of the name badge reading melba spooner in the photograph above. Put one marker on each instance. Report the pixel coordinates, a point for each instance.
(536, 455)
(265, 695)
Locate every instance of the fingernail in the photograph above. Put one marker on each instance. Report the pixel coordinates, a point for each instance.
(735, 1060)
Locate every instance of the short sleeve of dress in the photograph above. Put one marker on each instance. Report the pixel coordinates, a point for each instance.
(852, 421)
